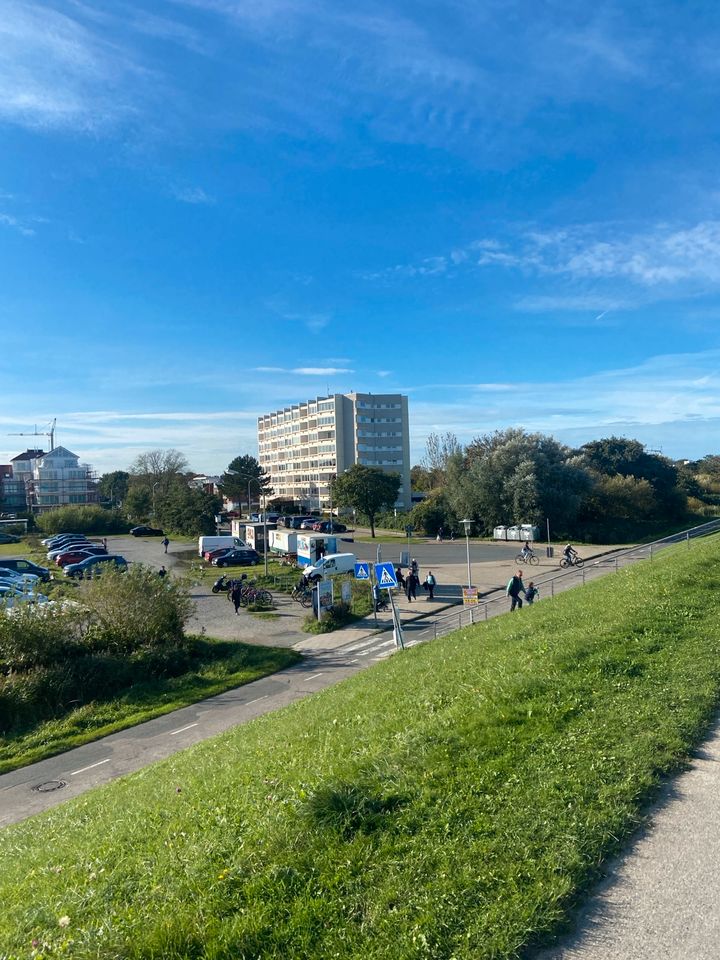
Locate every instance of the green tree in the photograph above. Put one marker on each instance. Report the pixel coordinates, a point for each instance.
(432, 513)
(629, 458)
(187, 509)
(512, 476)
(113, 486)
(244, 474)
(440, 448)
(367, 489)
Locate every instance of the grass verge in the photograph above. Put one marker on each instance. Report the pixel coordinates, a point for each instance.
(453, 802)
(219, 665)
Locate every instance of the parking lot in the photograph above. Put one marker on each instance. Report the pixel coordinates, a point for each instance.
(492, 564)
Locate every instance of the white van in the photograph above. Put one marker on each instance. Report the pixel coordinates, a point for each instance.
(217, 543)
(330, 566)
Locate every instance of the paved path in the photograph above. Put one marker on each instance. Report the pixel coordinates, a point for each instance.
(660, 899)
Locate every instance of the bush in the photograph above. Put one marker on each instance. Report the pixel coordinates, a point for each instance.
(86, 519)
(136, 608)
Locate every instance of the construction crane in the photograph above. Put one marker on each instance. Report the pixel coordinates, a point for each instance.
(40, 433)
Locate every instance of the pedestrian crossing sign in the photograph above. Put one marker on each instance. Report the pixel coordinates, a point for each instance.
(385, 575)
(362, 571)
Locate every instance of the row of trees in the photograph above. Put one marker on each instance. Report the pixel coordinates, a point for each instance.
(609, 487)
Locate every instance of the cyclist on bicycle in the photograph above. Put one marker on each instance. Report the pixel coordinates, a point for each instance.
(527, 550)
(570, 553)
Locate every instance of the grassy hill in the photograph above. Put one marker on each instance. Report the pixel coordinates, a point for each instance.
(452, 802)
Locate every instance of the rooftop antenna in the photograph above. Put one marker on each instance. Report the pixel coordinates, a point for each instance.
(40, 433)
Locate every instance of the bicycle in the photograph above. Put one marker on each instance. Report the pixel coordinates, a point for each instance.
(302, 595)
(256, 597)
(527, 558)
(571, 562)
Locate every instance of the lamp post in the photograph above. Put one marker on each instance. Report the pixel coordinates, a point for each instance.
(468, 524)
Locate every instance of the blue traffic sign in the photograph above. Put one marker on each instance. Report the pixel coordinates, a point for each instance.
(385, 575)
(362, 571)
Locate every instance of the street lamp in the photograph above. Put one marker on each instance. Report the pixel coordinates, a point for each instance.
(468, 524)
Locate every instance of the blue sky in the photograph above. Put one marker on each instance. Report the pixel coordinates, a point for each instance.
(509, 211)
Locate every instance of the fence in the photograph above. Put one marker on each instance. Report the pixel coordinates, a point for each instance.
(555, 583)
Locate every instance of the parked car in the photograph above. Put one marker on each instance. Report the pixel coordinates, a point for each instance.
(323, 526)
(308, 523)
(59, 538)
(295, 522)
(9, 598)
(21, 565)
(211, 555)
(73, 545)
(7, 574)
(94, 565)
(75, 556)
(243, 557)
(144, 531)
(9, 538)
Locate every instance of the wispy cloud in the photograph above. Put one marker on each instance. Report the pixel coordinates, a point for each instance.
(9, 221)
(657, 259)
(306, 371)
(56, 72)
(192, 195)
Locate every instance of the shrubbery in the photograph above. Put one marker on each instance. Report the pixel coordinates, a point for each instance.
(129, 628)
(87, 519)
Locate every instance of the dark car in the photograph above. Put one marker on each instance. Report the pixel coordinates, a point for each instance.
(94, 565)
(295, 522)
(9, 538)
(144, 531)
(211, 555)
(26, 566)
(323, 526)
(242, 557)
(76, 554)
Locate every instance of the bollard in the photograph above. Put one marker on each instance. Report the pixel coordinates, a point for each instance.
(552, 588)
(583, 573)
(616, 564)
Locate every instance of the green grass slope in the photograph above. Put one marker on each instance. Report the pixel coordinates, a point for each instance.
(453, 802)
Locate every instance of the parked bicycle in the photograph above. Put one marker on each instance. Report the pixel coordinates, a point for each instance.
(302, 595)
(527, 556)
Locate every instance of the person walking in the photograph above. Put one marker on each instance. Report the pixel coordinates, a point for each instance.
(400, 578)
(430, 585)
(411, 583)
(439, 534)
(165, 542)
(162, 572)
(235, 595)
(531, 592)
(414, 568)
(514, 588)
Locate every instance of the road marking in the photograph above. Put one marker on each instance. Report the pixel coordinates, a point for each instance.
(315, 676)
(352, 648)
(255, 700)
(98, 764)
(354, 661)
(173, 732)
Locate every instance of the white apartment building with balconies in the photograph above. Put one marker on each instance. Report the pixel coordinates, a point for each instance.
(304, 446)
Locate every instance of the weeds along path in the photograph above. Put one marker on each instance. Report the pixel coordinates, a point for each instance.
(454, 802)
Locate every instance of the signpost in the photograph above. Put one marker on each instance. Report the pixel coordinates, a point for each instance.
(470, 596)
(325, 597)
(362, 571)
(386, 580)
(385, 575)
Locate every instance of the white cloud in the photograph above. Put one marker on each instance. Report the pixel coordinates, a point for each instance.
(192, 195)
(9, 221)
(57, 73)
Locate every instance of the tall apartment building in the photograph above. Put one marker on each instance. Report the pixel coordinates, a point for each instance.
(40, 481)
(304, 446)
